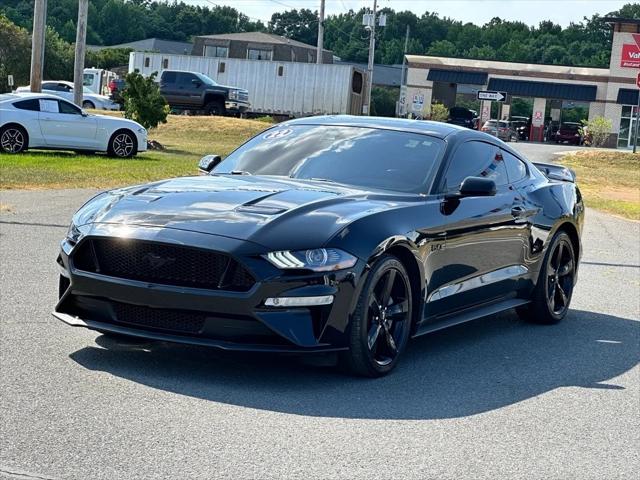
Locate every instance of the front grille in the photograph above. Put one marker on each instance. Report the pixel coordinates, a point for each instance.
(243, 96)
(162, 263)
(170, 320)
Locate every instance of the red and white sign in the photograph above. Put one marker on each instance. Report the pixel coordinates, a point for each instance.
(638, 80)
(631, 53)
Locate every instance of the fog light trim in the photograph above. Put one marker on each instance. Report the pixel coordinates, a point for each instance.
(299, 301)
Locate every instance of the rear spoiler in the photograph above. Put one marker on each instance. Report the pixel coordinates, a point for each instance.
(556, 172)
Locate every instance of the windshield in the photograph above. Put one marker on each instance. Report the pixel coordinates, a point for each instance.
(364, 157)
(87, 90)
(206, 79)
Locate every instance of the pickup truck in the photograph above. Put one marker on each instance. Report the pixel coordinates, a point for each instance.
(195, 91)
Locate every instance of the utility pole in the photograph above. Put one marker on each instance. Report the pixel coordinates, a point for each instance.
(403, 86)
(321, 33)
(372, 49)
(81, 44)
(37, 44)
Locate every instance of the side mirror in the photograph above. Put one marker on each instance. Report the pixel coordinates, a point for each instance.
(84, 114)
(208, 163)
(197, 83)
(477, 187)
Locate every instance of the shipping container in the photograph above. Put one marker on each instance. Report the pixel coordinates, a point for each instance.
(276, 88)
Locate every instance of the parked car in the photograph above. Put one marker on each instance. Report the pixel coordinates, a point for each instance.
(501, 129)
(328, 234)
(116, 86)
(64, 90)
(462, 116)
(196, 91)
(522, 128)
(569, 132)
(33, 120)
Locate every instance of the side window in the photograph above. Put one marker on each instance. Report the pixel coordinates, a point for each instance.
(516, 168)
(186, 79)
(475, 159)
(68, 108)
(64, 88)
(50, 86)
(168, 77)
(32, 104)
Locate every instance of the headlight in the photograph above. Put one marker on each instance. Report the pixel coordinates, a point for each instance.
(233, 94)
(74, 234)
(317, 259)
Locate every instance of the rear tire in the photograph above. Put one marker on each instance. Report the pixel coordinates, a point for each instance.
(122, 144)
(554, 289)
(215, 107)
(13, 139)
(381, 321)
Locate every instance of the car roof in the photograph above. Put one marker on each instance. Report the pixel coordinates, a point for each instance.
(436, 129)
(24, 95)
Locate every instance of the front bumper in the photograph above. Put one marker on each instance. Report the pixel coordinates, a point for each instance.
(229, 320)
(236, 106)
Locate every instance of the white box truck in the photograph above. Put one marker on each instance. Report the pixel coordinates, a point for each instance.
(290, 89)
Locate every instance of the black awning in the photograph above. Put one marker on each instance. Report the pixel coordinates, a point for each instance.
(457, 76)
(526, 88)
(628, 96)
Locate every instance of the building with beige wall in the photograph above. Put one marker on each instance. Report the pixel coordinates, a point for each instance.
(609, 92)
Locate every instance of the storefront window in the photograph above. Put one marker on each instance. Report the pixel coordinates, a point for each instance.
(627, 125)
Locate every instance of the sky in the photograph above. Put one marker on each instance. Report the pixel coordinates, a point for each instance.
(531, 12)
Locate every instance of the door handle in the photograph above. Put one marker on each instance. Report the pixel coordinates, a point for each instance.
(518, 211)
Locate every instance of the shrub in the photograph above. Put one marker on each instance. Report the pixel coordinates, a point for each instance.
(596, 131)
(142, 100)
(439, 112)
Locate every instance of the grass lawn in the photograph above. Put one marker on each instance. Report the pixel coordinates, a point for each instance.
(186, 139)
(608, 180)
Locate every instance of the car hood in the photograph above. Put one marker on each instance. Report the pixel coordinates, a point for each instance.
(271, 211)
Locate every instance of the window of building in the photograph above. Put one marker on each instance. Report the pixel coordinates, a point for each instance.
(221, 67)
(165, 63)
(147, 61)
(258, 54)
(356, 83)
(475, 159)
(216, 51)
(280, 70)
(627, 126)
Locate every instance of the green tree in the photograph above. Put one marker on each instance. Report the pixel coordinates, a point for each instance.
(15, 52)
(442, 48)
(383, 101)
(142, 100)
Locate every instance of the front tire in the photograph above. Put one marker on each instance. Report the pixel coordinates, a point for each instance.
(88, 105)
(381, 321)
(215, 107)
(13, 139)
(553, 292)
(122, 144)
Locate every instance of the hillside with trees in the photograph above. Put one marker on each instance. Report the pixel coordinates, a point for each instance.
(585, 43)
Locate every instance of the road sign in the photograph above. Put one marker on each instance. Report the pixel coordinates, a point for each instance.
(418, 102)
(638, 80)
(10, 80)
(492, 96)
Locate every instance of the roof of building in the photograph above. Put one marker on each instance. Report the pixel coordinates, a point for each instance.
(528, 88)
(633, 21)
(259, 37)
(151, 45)
(517, 68)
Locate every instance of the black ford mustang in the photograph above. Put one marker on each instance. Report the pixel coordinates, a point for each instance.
(341, 234)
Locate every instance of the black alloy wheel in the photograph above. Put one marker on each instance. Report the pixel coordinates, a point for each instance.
(559, 281)
(13, 139)
(88, 105)
(382, 320)
(215, 108)
(552, 295)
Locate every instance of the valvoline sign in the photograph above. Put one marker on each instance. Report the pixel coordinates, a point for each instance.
(631, 53)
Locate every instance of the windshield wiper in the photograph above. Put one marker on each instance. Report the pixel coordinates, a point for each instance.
(320, 179)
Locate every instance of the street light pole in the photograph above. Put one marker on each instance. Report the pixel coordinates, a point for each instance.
(372, 50)
(320, 33)
(37, 44)
(81, 43)
(635, 133)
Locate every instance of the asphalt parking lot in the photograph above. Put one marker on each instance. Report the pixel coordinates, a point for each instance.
(496, 398)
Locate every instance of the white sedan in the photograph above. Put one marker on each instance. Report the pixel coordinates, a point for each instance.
(64, 89)
(34, 120)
